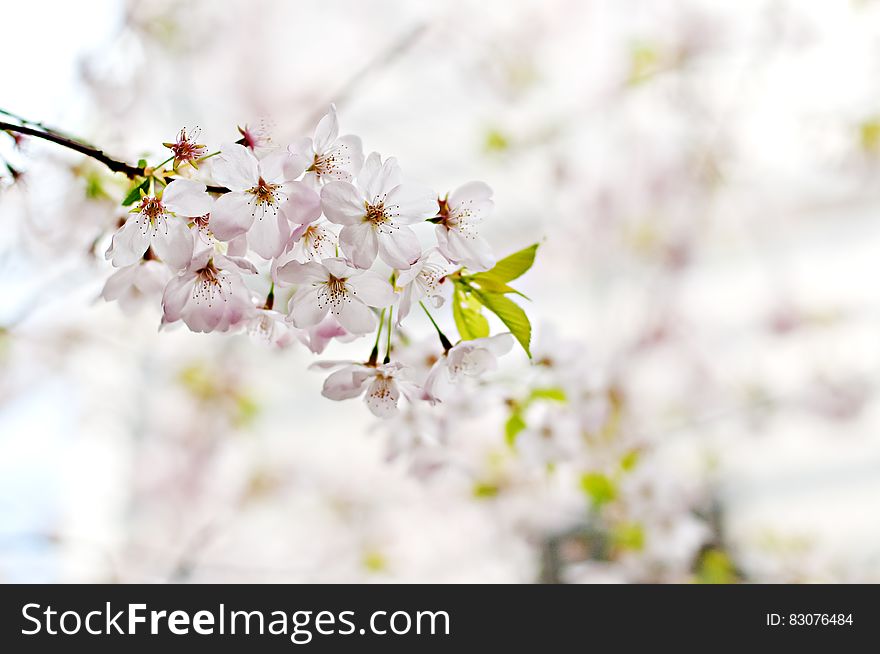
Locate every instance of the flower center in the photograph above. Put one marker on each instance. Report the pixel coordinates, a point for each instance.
(375, 214)
(152, 208)
(265, 193)
(333, 293)
(210, 284)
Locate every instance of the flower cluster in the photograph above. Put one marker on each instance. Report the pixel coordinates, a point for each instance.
(221, 234)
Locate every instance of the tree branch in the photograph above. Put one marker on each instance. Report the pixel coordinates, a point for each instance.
(114, 165)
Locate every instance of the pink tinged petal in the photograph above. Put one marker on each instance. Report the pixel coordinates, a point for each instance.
(119, 283)
(338, 267)
(186, 197)
(360, 244)
(355, 316)
(405, 304)
(346, 383)
(231, 262)
(376, 180)
(410, 203)
(438, 382)
(303, 205)
(321, 334)
(130, 242)
(237, 247)
(442, 235)
(174, 244)
(342, 203)
(232, 215)
(303, 149)
(471, 250)
(371, 289)
(349, 156)
(269, 234)
(235, 167)
(382, 397)
(400, 249)
(327, 130)
(499, 344)
(177, 294)
(294, 272)
(281, 166)
(472, 192)
(305, 309)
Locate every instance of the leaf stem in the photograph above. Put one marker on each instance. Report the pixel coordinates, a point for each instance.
(443, 340)
(374, 354)
(390, 327)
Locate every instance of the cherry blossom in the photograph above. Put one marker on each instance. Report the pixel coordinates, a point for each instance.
(186, 150)
(457, 236)
(376, 214)
(424, 278)
(317, 337)
(329, 156)
(210, 295)
(258, 188)
(269, 326)
(383, 384)
(161, 223)
(467, 358)
(131, 285)
(332, 285)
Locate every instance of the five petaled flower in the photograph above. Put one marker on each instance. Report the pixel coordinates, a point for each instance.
(258, 188)
(383, 384)
(186, 150)
(161, 223)
(334, 286)
(467, 358)
(329, 156)
(376, 213)
(423, 279)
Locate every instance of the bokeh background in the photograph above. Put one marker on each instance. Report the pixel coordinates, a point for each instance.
(703, 178)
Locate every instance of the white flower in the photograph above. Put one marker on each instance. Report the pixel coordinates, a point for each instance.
(269, 326)
(317, 337)
(334, 286)
(457, 237)
(375, 214)
(313, 242)
(467, 358)
(423, 279)
(328, 156)
(258, 188)
(549, 438)
(210, 295)
(383, 384)
(162, 223)
(132, 284)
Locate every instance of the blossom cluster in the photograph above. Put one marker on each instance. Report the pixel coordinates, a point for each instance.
(220, 234)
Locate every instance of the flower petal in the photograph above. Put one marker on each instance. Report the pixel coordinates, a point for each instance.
(371, 289)
(130, 241)
(268, 235)
(232, 215)
(408, 204)
(304, 309)
(400, 249)
(327, 130)
(303, 205)
(235, 167)
(187, 197)
(360, 244)
(294, 272)
(342, 203)
(382, 397)
(174, 244)
(355, 316)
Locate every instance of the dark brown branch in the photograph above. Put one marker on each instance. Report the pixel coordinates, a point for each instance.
(114, 165)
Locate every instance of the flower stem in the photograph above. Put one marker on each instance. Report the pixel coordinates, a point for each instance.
(443, 340)
(374, 355)
(390, 327)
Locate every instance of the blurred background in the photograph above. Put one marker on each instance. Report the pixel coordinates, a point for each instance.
(702, 403)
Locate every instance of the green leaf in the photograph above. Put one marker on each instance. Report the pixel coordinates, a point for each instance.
(469, 320)
(511, 315)
(715, 567)
(135, 193)
(629, 536)
(508, 268)
(598, 487)
(514, 425)
(493, 285)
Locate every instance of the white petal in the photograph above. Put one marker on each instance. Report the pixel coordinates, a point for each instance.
(327, 130)
(346, 383)
(281, 166)
(177, 294)
(360, 244)
(377, 180)
(268, 235)
(382, 397)
(235, 167)
(400, 249)
(338, 267)
(471, 250)
(294, 272)
(342, 203)
(303, 205)
(119, 283)
(349, 158)
(470, 193)
(187, 197)
(409, 204)
(174, 244)
(232, 215)
(130, 241)
(305, 311)
(371, 289)
(499, 344)
(355, 316)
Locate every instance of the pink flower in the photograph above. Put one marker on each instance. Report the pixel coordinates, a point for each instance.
(162, 223)
(380, 385)
(258, 188)
(334, 286)
(376, 213)
(466, 359)
(329, 157)
(456, 230)
(185, 149)
(132, 284)
(210, 295)
(423, 279)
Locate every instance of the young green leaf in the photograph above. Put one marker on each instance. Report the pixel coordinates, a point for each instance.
(509, 268)
(469, 320)
(514, 425)
(135, 193)
(511, 315)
